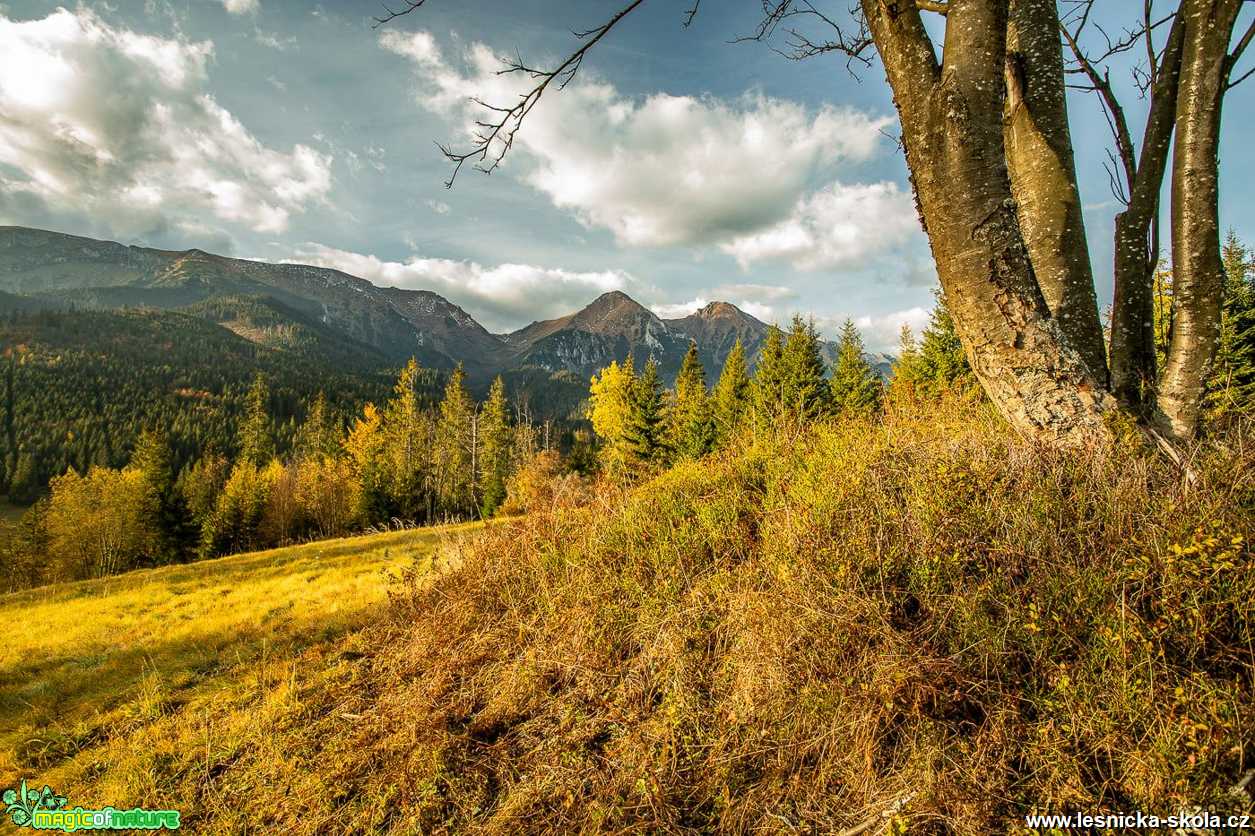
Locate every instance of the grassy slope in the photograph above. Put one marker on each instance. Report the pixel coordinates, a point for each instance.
(138, 688)
(925, 615)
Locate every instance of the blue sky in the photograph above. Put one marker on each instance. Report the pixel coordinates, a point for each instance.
(678, 167)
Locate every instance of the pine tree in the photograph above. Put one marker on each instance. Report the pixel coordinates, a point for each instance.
(732, 395)
(497, 438)
(163, 511)
(768, 386)
(645, 432)
(256, 432)
(455, 446)
(855, 387)
(806, 392)
(943, 362)
(1231, 385)
(690, 432)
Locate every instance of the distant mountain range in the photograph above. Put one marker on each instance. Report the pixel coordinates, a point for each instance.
(347, 322)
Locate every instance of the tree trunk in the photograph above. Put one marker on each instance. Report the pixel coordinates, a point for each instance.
(1133, 308)
(1198, 272)
(953, 137)
(1043, 177)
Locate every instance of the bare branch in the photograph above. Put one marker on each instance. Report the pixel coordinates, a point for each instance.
(1232, 59)
(1101, 84)
(494, 138)
(391, 14)
(854, 45)
(692, 13)
(938, 6)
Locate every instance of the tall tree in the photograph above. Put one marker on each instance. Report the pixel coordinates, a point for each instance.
(731, 398)
(455, 446)
(256, 432)
(1232, 384)
(690, 432)
(406, 443)
(496, 440)
(163, 511)
(319, 435)
(768, 386)
(806, 393)
(990, 211)
(855, 386)
(1198, 274)
(611, 396)
(645, 435)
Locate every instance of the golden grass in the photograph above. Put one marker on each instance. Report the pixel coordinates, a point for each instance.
(129, 689)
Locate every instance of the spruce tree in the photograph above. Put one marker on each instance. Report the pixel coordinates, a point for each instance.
(1231, 386)
(645, 432)
(768, 386)
(689, 429)
(943, 362)
(855, 386)
(732, 395)
(163, 512)
(496, 436)
(806, 392)
(256, 432)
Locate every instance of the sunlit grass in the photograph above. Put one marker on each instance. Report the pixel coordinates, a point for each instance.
(127, 690)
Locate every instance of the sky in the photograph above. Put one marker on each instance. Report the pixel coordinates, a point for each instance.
(678, 167)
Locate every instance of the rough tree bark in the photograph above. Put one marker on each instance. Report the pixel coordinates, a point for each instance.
(953, 137)
(1198, 273)
(1043, 177)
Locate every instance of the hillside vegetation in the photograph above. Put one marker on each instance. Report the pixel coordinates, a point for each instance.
(922, 622)
(141, 688)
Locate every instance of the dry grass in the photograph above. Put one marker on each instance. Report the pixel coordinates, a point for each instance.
(139, 688)
(925, 615)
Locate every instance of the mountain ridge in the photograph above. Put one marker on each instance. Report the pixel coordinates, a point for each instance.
(385, 323)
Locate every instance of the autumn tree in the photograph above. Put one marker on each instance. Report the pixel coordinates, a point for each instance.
(611, 397)
(454, 446)
(984, 130)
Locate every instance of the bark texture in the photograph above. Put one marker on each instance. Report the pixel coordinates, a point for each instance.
(1043, 177)
(954, 142)
(1133, 361)
(1198, 272)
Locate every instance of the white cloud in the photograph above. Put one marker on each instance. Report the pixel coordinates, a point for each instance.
(881, 332)
(242, 7)
(840, 226)
(439, 207)
(103, 123)
(754, 299)
(673, 170)
(502, 298)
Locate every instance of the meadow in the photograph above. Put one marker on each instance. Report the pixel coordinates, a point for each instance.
(138, 689)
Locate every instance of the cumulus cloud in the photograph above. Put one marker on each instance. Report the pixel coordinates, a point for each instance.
(101, 122)
(840, 226)
(503, 297)
(757, 300)
(242, 7)
(680, 170)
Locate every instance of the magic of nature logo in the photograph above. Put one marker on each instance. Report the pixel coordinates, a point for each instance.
(45, 810)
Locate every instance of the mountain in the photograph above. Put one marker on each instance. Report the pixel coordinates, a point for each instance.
(344, 322)
(393, 323)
